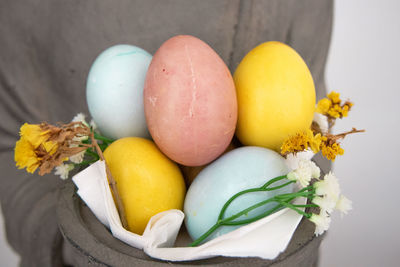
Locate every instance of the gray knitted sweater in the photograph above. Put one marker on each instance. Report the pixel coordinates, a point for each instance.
(48, 46)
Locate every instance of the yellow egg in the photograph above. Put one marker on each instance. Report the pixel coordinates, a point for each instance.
(147, 181)
(276, 95)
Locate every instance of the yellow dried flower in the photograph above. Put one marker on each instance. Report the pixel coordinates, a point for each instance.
(331, 151)
(335, 111)
(25, 156)
(316, 142)
(295, 143)
(33, 134)
(301, 142)
(51, 147)
(346, 107)
(332, 107)
(323, 106)
(32, 146)
(335, 97)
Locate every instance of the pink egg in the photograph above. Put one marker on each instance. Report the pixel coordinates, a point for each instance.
(190, 101)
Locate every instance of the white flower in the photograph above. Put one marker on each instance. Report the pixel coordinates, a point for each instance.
(344, 205)
(328, 187)
(322, 122)
(293, 159)
(93, 125)
(326, 204)
(322, 222)
(63, 170)
(78, 139)
(80, 117)
(77, 158)
(305, 171)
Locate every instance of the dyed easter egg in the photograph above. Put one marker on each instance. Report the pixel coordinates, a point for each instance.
(190, 173)
(114, 91)
(240, 169)
(147, 181)
(190, 101)
(276, 95)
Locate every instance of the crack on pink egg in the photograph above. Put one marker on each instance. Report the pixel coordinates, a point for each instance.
(153, 100)
(194, 97)
(194, 91)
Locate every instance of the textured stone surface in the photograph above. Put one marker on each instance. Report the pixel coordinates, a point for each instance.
(89, 243)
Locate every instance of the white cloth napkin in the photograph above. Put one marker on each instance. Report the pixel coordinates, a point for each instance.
(265, 238)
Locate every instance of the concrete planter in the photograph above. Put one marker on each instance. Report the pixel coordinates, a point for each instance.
(89, 243)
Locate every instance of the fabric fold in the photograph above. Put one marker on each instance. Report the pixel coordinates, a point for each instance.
(265, 238)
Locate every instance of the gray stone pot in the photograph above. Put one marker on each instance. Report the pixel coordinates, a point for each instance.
(89, 243)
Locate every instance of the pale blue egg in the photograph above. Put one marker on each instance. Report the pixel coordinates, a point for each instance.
(237, 170)
(114, 91)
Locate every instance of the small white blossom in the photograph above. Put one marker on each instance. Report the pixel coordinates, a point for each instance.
(304, 173)
(78, 139)
(322, 122)
(344, 205)
(325, 203)
(80, 117)
(93, 125)
(77, 158)
(63, 170)
(293, 159)
(322, 222)
(328, 187)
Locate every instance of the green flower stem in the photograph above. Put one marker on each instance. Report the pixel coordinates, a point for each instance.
(103, 138)
(305, 192)
(205, 235)
(221, 214)
(293, 207)
(258, 189)
(85, 163)
(246, 221)
(306, 206)
(276, 179)
(103, 146)
(283, 200)
(93, 154)
(222, 222)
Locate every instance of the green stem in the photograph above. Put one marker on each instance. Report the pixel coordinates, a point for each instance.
(301, 193)
(227, 220)
(262, 215)
(103, 138)
(283, 200)
(276, 179)
(293, 207)
(93, 154)
(205, 235)
(258, 189)
(85, 163)
(221, 214)
(306, 206)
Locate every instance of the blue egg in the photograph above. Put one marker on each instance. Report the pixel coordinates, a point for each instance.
(114, 91)
(237, 170)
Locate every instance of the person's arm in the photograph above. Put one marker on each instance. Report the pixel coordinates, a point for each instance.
(28, 203)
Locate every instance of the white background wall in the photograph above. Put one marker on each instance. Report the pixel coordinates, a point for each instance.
(364, 66)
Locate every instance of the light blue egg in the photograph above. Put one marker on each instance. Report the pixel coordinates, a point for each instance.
(114, 91)
(237, 170)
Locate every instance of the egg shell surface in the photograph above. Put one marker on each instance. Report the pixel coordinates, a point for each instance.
(276, 95)
(114, 91)
(190, 101)
(240, 169)
(147, 181)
